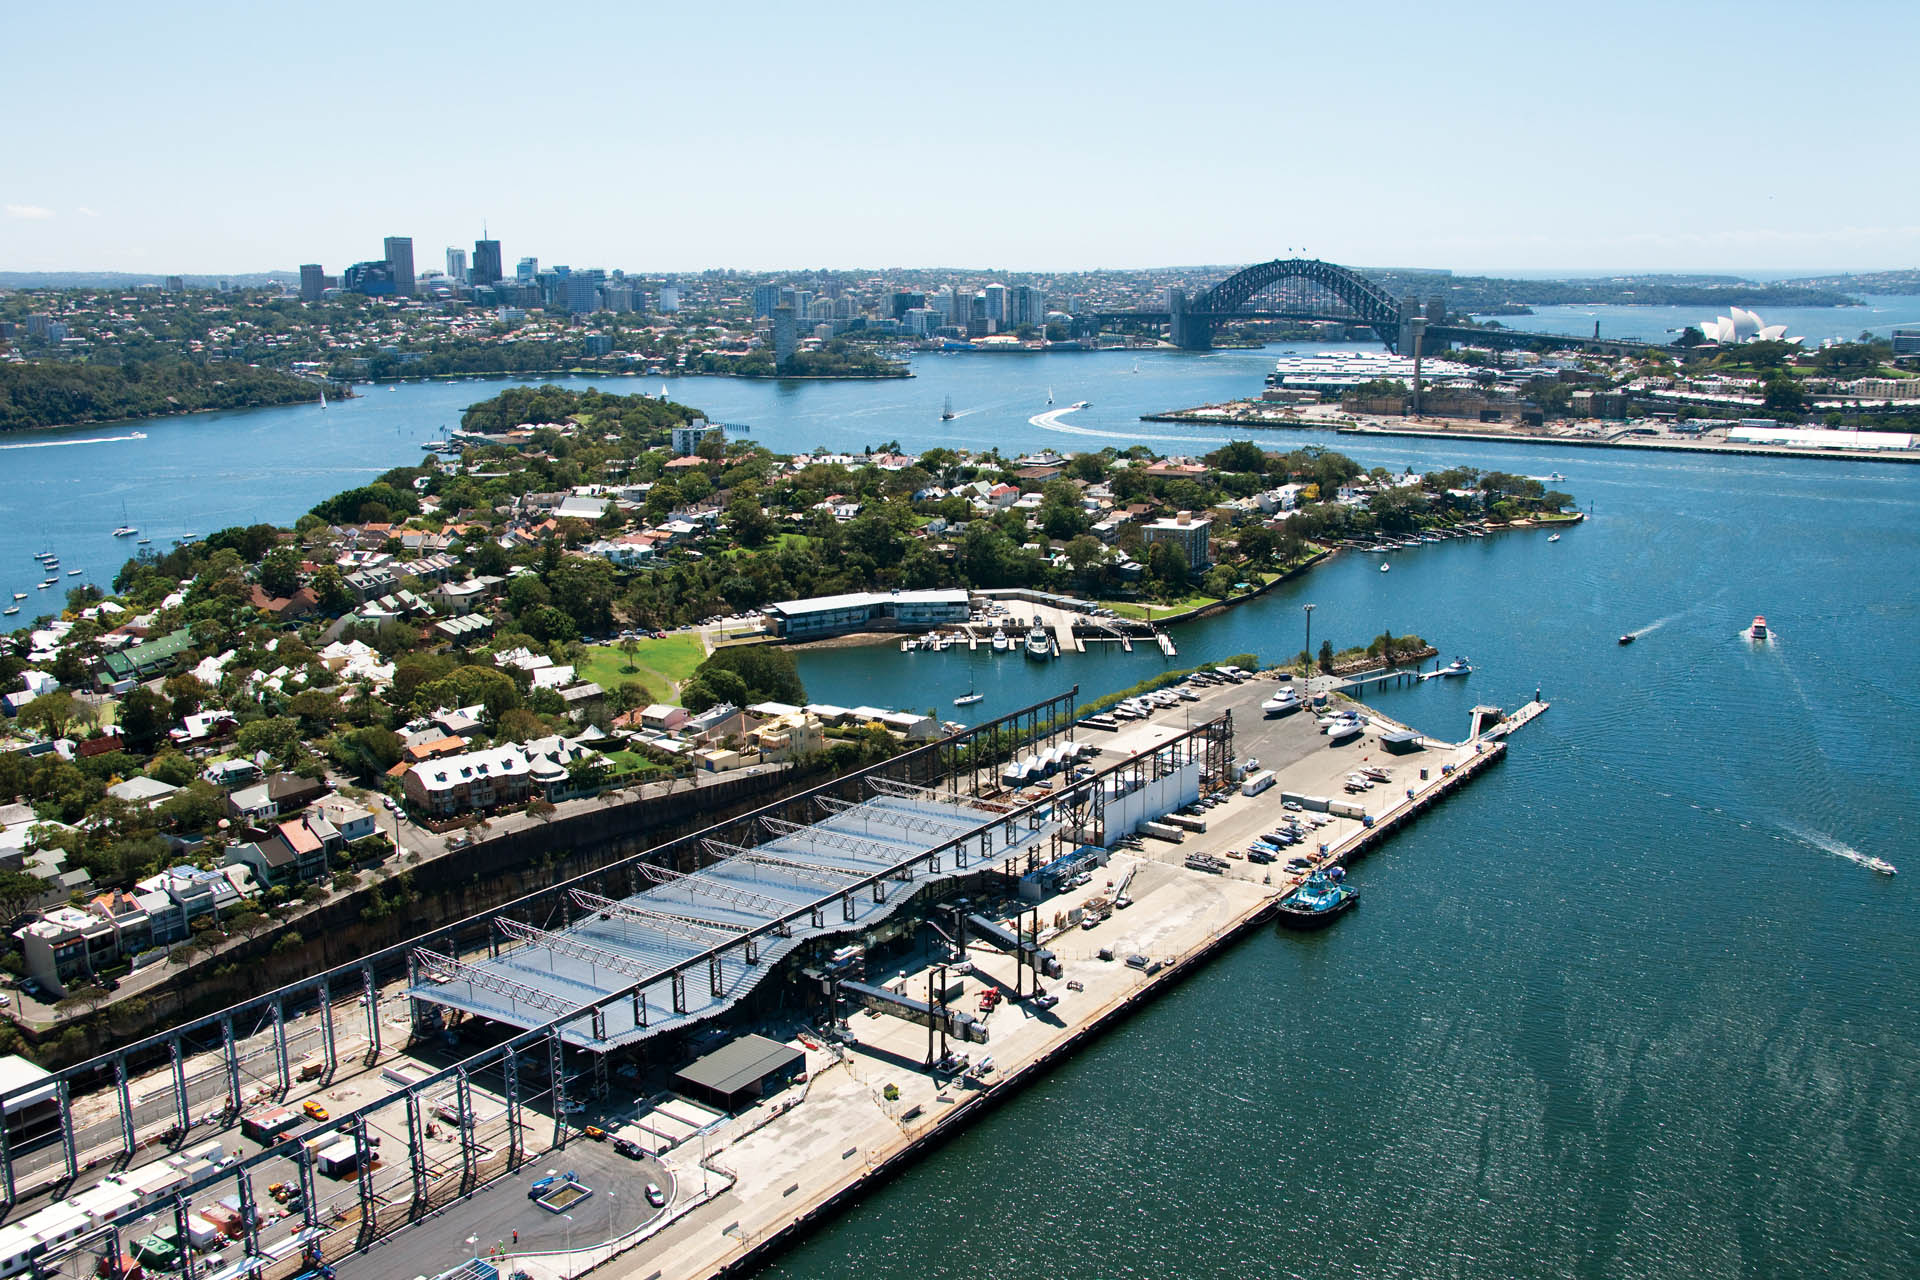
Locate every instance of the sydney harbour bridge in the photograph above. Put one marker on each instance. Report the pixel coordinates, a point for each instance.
(1306, 289)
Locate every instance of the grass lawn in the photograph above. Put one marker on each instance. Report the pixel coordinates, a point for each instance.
(778, 542)
(1198, 600)
(662, 664)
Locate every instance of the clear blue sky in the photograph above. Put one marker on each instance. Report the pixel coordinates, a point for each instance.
(670, 136)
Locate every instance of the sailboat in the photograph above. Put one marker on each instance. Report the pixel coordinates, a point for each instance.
(323, 399)
(946, 412)
(126, 530)
(968, 698)
(1049, 395)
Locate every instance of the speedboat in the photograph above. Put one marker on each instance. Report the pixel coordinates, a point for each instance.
(1881, 865)
(1627, 638)
(1553, 537)
(1281, 703)
(1758, 631)
(1000, 642)
(1316, 902)
(1339, 733)
(1385, 567)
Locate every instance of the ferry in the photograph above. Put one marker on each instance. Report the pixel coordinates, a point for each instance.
(1758, 631)
(1315, 903)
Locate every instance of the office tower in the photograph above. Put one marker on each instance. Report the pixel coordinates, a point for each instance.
(669, 298)
(905, 301)
(457, 265)
(486, 262)
(176, 284)
(581, 291)
(997, 305)
(783, 334)
(803, 302)
(400, 257)
(526, 269)
(313, 282)
(765, 298)
(374, 279)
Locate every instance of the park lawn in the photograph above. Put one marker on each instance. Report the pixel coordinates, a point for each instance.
(779, 542)
(663, 664)
(1198, 600)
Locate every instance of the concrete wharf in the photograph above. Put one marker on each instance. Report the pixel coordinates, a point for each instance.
(796, 1158)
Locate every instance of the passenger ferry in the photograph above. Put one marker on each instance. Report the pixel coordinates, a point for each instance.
(1758, 631)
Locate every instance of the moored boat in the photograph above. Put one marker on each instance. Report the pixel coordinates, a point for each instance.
(1316, 902)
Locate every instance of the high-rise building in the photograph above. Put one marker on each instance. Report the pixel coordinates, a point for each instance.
(783, 334)
(581, 291)
(669, 298)
(765, 298)
(176, 284)
(456, 265)
(526, 269)
(374, 279)
(997, 306)
(313, 282)
(486, 262)
(400, 258)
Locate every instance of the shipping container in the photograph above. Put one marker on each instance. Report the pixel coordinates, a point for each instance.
(1255, 783)
(1161, 831)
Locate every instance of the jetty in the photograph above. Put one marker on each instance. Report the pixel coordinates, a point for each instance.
(795, 1158)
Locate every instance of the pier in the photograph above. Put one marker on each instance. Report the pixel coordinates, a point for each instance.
(794, 1159)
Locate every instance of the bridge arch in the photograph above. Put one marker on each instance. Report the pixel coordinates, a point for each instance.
(1370, 304)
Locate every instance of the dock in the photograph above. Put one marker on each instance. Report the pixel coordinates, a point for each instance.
(1505, 724)
(797, 1158)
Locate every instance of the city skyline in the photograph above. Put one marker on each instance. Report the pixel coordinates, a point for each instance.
(1484, 141)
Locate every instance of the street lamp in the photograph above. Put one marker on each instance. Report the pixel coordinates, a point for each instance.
(569, 1218)
(1309, 664)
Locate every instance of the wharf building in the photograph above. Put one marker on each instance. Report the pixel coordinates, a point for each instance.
(515, 1013)
(823, 616)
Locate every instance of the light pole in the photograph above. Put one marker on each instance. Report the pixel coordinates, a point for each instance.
(569, 1218)
(1309, 612)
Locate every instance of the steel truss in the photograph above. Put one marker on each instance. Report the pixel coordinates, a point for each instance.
(570, 946)
(683, 927)
(757, 903)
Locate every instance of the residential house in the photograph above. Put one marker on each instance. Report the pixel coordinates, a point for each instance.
(146, 660)
(662, 716)
(471, 781)
(351, 820)
(371, 584)
(129, 920)
(203, 727)
(66, 947)
(230, 773)
(279, 795)
(108, 742)
(147, 792)
(786, 737)
(458, 598)
(298, 605)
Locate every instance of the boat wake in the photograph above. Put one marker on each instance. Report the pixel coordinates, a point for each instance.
(56, 444)
(1827, 844)
(1050, 421)
(1654, 626)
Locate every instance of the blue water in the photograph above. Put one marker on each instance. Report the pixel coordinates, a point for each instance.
(1622, 1008)
(1877, 315)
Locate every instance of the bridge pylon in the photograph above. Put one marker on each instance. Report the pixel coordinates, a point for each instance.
(1187, 331)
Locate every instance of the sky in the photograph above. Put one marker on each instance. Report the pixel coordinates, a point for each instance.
(1673, 136)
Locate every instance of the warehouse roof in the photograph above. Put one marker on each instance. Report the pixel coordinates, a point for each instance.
(738, 1064)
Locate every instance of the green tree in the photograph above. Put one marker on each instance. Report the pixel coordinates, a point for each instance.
(144, 719)
(55, 714)
(280, 572)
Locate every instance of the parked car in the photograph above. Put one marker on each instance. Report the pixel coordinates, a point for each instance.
(628, 1148)
(314, 1110)
(655, 1196)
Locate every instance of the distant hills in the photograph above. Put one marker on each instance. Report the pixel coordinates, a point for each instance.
(134, 280)
(1907, 281)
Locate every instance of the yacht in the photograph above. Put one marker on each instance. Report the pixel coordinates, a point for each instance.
(1458, 667)
(1316, 902)
(1346, 729)
(48, 583)
(10, 610)
(1000, 642)
(1039, 645)
(19, 595)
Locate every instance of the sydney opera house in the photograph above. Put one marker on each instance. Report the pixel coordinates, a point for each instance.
(1743, 326)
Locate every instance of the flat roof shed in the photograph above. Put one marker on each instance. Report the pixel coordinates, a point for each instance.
(738, 1073)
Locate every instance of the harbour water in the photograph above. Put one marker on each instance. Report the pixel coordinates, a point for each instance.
(1878, 315)
(1623, 1008)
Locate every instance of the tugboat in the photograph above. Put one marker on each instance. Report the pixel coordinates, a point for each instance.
(1758, 631)
(1314, 904)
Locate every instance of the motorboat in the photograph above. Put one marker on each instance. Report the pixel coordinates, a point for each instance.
(1281, 703)
(1000, 642)
(1039, 645)
(1881, 865)
(73, 573)
(10, 610)
(1458, 667)
(19, 595)
(1317, 901)
(48, 583)
(1342, 732)
(1553, 537)
(1758, 631)
(1385, 567)
(1627, 638)
(1340, 717)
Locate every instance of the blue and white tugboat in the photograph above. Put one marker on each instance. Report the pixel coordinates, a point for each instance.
(1314, 904)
